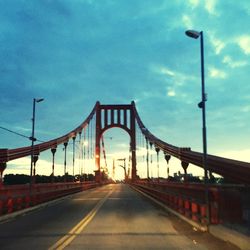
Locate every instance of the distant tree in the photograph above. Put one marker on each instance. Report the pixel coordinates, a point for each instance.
(194, 179)
(43, 179)
(15, 179)
(173, 178)
(91, 177)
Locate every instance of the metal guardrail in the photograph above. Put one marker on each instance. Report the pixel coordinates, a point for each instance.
(189, 200)
(18, 197)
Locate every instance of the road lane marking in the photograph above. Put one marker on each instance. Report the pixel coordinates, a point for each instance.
(86, 199)
(76, 230)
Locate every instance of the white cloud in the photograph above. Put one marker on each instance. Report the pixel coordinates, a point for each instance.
(246, 109)
(232, 63)
(187, 21)
(240, 155)
(25, 161)
(244, 43)
(217, 43)
(171, 92)
(216, 73)
(178, 77)
(194, 3)
(43, 167)
(210, 6)
(166, 71)
(137, 100)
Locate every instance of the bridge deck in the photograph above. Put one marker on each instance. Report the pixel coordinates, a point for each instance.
(109, 217)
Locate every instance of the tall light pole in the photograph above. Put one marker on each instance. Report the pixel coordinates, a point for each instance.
(196, 34)
(74, 144)
(32, 138)
(124, 167)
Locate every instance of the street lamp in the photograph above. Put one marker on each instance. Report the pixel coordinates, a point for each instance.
(32, 138)
(124, 167)
(196, 34)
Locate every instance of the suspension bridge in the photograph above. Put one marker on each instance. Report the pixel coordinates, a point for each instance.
(114, 216)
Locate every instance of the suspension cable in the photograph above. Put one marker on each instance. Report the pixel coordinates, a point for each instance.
(91, 138)
(89, 144)
(147, 158)
(80, 153)
(143, 146)
(84, 153)
(151, 158)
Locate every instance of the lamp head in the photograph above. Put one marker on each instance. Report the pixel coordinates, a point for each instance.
(122, 159)
(192, 33)
(39, 100)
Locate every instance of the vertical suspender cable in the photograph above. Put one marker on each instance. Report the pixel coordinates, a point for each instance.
(53, 151)
(104, 153)
(91, 138)
(74, 141)
(151, 158)
(147, 158)
(88, 141)
(65, 160)
(85, 143)
(80, 153)
(158, 166)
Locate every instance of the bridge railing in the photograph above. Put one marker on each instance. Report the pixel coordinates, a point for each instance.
(188, 199)
(17, 197)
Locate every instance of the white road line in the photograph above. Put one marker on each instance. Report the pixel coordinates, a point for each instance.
(76, 230)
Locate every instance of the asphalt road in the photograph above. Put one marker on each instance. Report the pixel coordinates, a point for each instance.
(110, 217)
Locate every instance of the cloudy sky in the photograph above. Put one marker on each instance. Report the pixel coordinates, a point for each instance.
(76, 52)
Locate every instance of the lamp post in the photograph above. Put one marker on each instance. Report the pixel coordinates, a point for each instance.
(147, 158)
(124, 167)
(196, 34)
(158, 167)
(65, 160)
(74, 144)
(32, 138)
(53, 151)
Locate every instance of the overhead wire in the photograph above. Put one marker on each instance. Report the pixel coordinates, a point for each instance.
(16, 133)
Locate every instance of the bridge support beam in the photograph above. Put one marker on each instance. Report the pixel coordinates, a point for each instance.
(3, 163)
(97, 142)
(2, 168)
(53, 151)
(110, 116)
(133, 141)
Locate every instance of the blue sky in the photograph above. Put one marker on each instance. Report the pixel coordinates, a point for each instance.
(75, 52)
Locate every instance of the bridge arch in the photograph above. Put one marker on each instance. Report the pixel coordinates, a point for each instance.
(111, 116)
(116, 153)
(115, 126)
